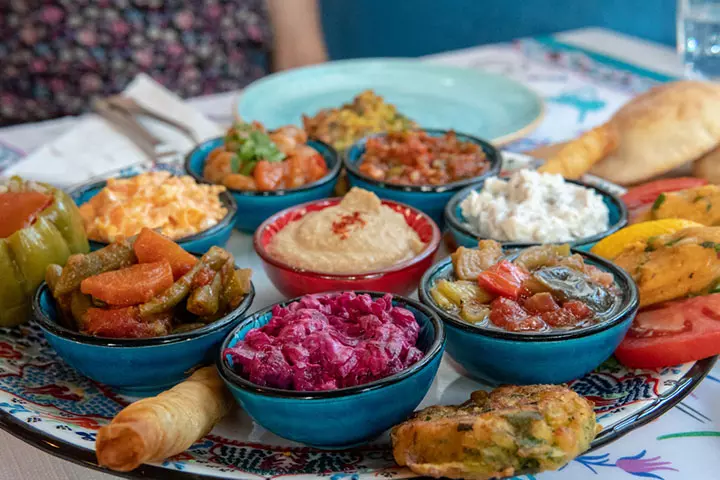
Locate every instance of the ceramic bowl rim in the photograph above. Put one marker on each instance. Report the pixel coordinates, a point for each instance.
(52, 326)
(493, 155)
(226, 198)
(629, 304)
(435, 348)
(455, 224)
(332, 174)
(428, 251)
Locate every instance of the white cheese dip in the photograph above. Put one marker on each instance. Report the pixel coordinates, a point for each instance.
(535, 207)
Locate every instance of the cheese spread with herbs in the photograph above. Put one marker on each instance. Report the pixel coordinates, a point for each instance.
(535, 207)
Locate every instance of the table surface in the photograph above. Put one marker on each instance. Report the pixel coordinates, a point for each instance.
(18, 460)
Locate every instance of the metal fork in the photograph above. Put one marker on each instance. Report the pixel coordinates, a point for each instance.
(155, 148)
(133, 107)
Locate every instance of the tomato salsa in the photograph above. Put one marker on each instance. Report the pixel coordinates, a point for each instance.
(413, 157)
(19, 210)
(544, 289)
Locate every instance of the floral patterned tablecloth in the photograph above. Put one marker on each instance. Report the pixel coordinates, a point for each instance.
(581, 90)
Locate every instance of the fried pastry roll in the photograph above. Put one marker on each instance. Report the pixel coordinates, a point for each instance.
(155, 428)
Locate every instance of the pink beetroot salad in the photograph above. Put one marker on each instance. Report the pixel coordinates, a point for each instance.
(326, 342)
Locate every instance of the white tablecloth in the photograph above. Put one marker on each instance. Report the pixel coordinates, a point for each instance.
(683, 444)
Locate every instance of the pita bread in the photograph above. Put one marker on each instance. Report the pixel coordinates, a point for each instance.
(662, 129)
(708, 167)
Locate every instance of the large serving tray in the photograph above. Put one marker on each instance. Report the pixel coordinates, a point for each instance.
(51, 406)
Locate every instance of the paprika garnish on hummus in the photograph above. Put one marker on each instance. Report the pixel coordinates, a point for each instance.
(358, 235)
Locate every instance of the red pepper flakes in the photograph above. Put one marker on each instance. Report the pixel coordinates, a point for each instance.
(342, 226)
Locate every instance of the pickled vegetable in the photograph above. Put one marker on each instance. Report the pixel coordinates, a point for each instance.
(462, 291)
(543, 255)
(126, 323)
(474, 311)
(213, 258)
(130, 285)
(143, 299)
(205, 300)
(441, 300)
(569, 284)
(52, 276)
(545, 288)
(151, 247)
(79, 267)
(469, 262)
(504, 279)
(237, 287)
(79, 305)
(187, 327)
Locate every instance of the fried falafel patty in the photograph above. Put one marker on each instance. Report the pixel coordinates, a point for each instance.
(510, 431)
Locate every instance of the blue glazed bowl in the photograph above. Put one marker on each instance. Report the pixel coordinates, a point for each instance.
(347, 416)
(431, 199)
(466, 237)
(255, 207)
(138, 367)
(199, 243)
(498, 357)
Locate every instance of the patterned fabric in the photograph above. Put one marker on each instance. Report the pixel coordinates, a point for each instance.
(58, 54)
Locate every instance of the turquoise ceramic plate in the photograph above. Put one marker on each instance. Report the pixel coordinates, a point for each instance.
(482, 104)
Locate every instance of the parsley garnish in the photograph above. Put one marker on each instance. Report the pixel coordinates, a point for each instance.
(713, 245)
(250, 146)
(658, 201)
(649, 247)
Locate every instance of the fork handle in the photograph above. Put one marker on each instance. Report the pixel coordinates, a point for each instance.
(133, 107)
(128, 127)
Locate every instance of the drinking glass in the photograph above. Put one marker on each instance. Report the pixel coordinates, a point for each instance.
(698, 38)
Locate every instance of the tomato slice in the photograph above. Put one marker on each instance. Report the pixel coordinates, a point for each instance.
(504, 279)
(672, 333)
(648, 192)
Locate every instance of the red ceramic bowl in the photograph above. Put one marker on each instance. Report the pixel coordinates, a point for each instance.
(401, 279)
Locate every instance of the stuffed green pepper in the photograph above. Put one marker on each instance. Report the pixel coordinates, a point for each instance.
(39, 225)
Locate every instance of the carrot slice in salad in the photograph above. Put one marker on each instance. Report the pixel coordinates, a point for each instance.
(129, 286)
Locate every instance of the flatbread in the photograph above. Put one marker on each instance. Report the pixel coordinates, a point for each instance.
(664, 128)
(708, 166)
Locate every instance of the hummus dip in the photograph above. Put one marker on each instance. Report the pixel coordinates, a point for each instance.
(359, 235)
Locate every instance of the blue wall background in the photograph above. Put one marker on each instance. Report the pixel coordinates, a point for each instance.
(376, 28)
